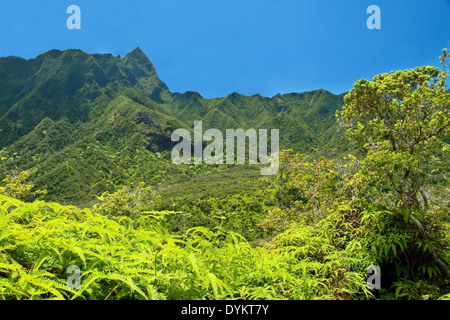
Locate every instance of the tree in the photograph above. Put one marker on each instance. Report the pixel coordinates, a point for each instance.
(14, 185)
(126, 202)
(398, 121)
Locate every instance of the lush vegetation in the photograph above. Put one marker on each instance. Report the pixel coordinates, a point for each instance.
(222, 232)
(121, 257)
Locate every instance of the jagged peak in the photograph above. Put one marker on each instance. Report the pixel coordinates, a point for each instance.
(136, 53)
(137, 59)
(137, 50)
(54, 53)
(192, 94)
(235, 95)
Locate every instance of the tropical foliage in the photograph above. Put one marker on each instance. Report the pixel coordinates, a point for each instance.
(159, 231)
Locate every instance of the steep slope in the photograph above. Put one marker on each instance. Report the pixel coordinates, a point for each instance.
(68, 85)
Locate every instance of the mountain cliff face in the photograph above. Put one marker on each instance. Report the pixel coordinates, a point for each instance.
(68, 85)
(89, 121)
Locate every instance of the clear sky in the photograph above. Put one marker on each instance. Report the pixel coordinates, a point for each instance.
(217, 47)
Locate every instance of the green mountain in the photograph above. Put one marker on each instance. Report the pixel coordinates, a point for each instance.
(92, 122)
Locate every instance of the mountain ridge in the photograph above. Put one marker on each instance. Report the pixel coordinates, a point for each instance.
(70, 109)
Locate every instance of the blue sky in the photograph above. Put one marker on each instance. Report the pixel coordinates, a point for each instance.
(217, 47)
